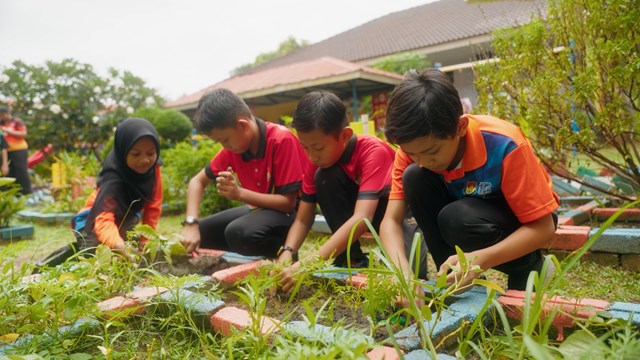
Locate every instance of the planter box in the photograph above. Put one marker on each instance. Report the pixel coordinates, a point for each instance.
(45, 218)
(16, 232)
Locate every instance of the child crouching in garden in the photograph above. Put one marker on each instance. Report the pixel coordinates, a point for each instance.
(129, 189)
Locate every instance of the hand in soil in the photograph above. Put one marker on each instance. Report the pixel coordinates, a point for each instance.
(418, 300)
(455, 274)
(287, 279)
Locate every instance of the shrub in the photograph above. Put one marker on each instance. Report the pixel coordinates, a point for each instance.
(172, 125)
(180, 164)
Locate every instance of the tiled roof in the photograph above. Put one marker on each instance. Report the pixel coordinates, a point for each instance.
(418, 27)
(324, 70)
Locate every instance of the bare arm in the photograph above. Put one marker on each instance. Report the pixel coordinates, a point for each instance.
(228, 187)
(191, 233)
(299, 229)
(5, 163)
(16, 133)
(391, 234)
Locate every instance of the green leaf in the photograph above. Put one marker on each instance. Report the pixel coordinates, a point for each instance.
(488, 284)
(582, 345)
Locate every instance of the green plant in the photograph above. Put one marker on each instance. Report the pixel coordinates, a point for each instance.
(402, 63)
(183, 162)
(69, 102)
(10, 200)
(172, 125)
(571, 83)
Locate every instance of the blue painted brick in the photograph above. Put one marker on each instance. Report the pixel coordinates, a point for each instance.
(16, 232)
(236, 258)
(197, 304)
(620, 241)
(624, 311)
(424, 355)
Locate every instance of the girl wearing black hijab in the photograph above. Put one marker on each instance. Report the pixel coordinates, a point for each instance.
(129, 188)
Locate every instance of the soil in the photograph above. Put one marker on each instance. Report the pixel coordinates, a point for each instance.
(338, 309)
(185, 265)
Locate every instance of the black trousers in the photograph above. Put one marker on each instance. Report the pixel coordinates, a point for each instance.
(251, 232)
(337, 194)
(18, 169)
(470, 223)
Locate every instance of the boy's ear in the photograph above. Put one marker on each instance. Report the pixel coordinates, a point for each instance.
(243, 124)
(346, 133)
(463, 123)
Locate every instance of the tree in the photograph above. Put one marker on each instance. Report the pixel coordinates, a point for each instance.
(172, 125)
(284, 48)
(66, 103)
(401, 63)
(572, 83)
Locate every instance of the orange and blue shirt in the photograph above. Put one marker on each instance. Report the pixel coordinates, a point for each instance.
(366, 160)
(498, 161)
(276, 167)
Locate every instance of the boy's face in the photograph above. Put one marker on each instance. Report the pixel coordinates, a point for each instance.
(324, 150)
(142, 155)
(234, 138)
(436, 154)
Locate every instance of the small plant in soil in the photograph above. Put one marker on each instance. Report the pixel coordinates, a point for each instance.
(10, 201)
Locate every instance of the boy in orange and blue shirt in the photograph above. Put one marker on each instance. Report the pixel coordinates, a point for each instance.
(470, 181)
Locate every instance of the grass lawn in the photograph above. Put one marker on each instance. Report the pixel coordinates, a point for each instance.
(587, 280)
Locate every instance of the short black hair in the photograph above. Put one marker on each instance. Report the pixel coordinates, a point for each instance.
(320, 110)
(423, 104)
(219, 109)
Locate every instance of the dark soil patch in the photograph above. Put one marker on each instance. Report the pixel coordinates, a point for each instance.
(340, 308)
(185, 265)
(618, 224)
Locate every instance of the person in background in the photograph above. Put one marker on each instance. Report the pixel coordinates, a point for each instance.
(471, 181)
(4, 157)
(15, 133)
(259, 165)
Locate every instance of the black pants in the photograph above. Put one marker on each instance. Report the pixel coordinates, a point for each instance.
(18, 169)
(257, 232)
(337, 195)
(470, 223)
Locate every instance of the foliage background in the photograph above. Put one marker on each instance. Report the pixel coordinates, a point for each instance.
(70, 105)
(572, 83)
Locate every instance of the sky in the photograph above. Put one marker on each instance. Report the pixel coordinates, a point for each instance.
(177, 47)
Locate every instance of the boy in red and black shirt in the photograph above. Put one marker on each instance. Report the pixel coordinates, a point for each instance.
(471, 181)
(347, 175)
(259, 165)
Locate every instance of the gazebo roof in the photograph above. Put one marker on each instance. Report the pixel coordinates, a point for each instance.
(290, 82)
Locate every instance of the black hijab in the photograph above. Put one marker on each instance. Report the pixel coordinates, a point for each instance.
(115, 169)
(123, 191)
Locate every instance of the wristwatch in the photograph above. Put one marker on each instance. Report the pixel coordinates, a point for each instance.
(189, 220)
(294, 254)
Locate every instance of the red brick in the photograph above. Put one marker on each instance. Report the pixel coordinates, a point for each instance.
(565, 309)
(231, 275)
(565, 221)
(226, 318)
(588, 207)
(569, 237)
(211, 252)
(626, 215)
(383, 353)
(119, 304)
(358, 281)
(147, 292)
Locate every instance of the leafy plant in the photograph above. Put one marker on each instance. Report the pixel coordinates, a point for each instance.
(183, 162)
(172, 125)
(69, 102)
(571, 83)
(10, 200)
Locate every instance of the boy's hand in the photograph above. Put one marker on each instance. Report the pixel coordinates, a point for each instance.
(190, 237)
(287, 280)
(453, 264)
(227, 185)
(403, 302)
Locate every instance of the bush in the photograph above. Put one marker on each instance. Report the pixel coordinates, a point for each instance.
(180, 164)
(172, 125)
